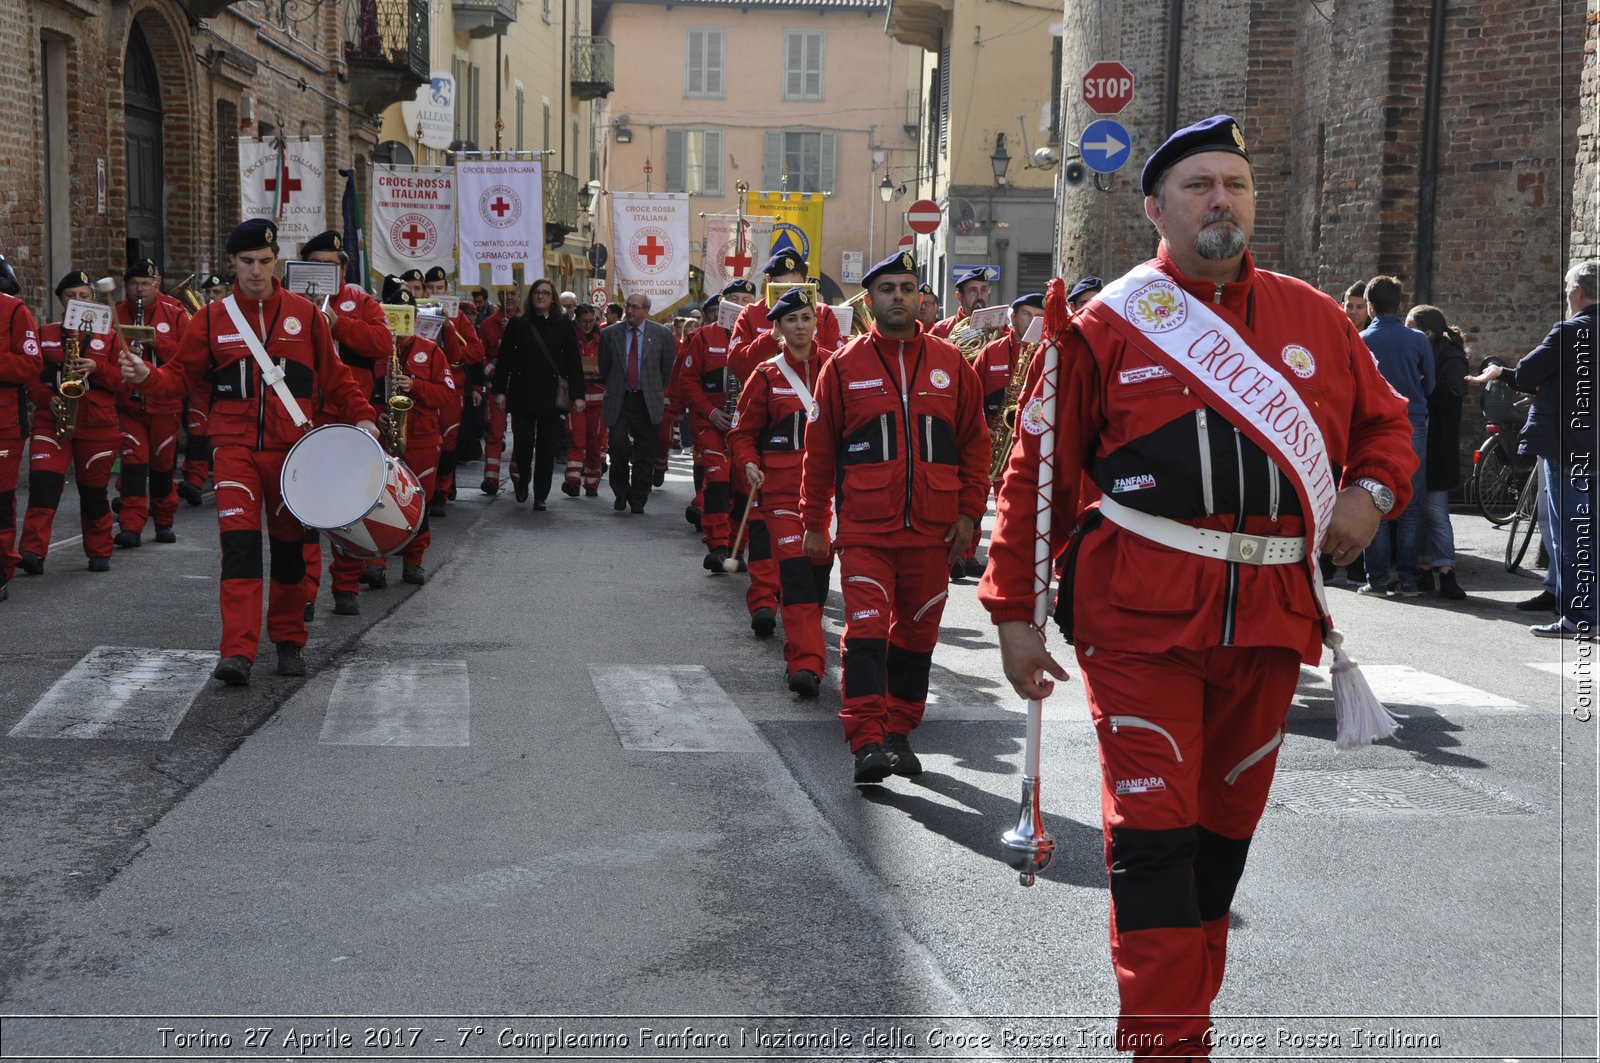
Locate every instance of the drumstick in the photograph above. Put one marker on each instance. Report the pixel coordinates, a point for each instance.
(731, 564)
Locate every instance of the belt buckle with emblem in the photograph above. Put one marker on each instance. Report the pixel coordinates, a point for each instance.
(1247, 549)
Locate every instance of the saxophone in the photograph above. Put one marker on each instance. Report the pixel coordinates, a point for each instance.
(399, 403)
(1006, 429)
(730, 394)
(73, 384)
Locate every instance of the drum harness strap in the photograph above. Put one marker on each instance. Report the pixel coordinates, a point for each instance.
(270, 374)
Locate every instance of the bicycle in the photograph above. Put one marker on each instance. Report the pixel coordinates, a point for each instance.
(1524, 521)
(1498, 471)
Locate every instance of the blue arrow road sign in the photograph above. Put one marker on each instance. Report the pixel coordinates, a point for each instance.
(1105, 146)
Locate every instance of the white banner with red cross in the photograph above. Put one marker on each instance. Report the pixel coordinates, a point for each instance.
(282, 179)
(652, 245)
(412, 223)
(734, 247)
(500, 215)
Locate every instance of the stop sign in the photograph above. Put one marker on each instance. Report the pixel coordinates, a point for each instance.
(1107, 87)
(924, 216)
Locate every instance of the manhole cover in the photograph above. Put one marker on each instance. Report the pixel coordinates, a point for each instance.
(1389, 792)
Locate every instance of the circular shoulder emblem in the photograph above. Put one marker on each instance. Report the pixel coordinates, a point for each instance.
(1159, 306)
(97, 344)
(1033, 418)
(733, 422)
(348, 305)
(939, 378)
(163, 326)
(1299, 360)
(813, 411)
(30, 347)
(420, 357)
(688, 361)
(292, 326)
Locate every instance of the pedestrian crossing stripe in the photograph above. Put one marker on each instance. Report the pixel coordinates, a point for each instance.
(672, 709)
(377, 702)
(120, 693)
(1401, 684)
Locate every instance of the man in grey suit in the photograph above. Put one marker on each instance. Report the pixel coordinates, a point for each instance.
(636, 356)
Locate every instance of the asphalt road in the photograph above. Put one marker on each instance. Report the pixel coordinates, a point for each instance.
(562, 782)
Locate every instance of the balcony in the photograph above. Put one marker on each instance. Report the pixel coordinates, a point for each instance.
(560, 206)
(593, 67)
(484, 18)
(919, 23)
(386, 49)
(203, 9)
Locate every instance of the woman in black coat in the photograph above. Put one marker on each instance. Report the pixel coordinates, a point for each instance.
(1442, 466)
(539, 349)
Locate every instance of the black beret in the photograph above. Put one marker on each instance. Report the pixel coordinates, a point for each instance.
(786, 261)
(395, 292)
(739, 287)
(1217, 133)
(212, 281)
(1088, 284)
(328, 241)
(252, 234)
(412, 275)
(8, 278)
(899, 262)
(927, 289)
(145, 267)
(435, 273)
(979, 274)
(1031, 299)
(76, 279)
(792, 301)
(709, 307)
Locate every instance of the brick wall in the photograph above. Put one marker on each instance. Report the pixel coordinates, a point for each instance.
(1586, 173)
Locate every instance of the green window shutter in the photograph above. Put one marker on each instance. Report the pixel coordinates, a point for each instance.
(814, 65)
(694, 62)
(676, 180)
(825, 166)
(713, 71)
(713, 162)
(772, 163)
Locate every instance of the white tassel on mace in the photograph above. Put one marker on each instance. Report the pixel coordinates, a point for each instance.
(1360, 716)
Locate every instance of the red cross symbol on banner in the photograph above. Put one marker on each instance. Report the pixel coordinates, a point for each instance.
(500, 206)
(290, 185)
(651, 250)
(738, 262)
(413, 236)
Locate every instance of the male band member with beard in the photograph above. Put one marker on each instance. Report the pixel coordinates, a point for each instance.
(972, 293)
(150, 426)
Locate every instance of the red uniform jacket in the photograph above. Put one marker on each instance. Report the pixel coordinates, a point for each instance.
(168, 317)
(770, 429)
(753, 343)
(244, 412)
(19, 363)
(995, 364)
(432, 389)
(946, 325)
(701, 377)
(362, 333)
(594, 386)
(98, 407)
(462, 348)
(1131, 594)
(900, 430)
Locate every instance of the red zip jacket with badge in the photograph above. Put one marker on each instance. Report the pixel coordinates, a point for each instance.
(900, 431)
(752, 341)
(1138, 433)
(703, 375)
(245, 412)
(362, 332)
(19, 362)
(170, 320)
(770, 429)
(98, 407)
(433, 389)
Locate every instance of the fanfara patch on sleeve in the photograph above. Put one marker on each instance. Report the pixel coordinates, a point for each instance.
(348, 305)
(292, 326)
(1033, 418)
(1299, 360)
(420, 357)
(939, 378)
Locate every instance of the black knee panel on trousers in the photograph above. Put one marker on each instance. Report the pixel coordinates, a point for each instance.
(760, 541)
(198, 448)
(908, 673)
(241, 554)
(311, 536)
(135, 480)
(288, 560)
(1218, 866)
(92, 502)
(1152, 878)
(820, 575)
(863, 667)
(8, 509)
(161, 484)
(717, 497)
(44, 490)
(699, 476)
(795, 581)
(447, 463)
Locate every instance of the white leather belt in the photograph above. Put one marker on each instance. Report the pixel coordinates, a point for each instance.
(1224, 546)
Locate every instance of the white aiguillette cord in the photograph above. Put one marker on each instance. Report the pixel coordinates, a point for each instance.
(271, 374)
(800, 389)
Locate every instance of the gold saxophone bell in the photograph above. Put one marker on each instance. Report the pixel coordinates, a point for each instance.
(73, 385)
(1006, 428)
(399, 403)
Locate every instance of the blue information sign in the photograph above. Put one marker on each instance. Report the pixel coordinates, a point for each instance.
(1105, 145)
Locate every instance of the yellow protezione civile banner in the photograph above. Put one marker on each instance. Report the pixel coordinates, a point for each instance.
(798, 223)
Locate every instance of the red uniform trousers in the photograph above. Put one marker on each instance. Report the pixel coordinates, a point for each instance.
(494, 442)
(587, 427)
(764, 589)
(893, 600)
(10, 466)
(247, 484)
(197, 448)
(1188, 742)
(665, 437)
(803, 586)
(716, 491)
(422, 459)
(91, 452)
(149, 456)
(450, 434)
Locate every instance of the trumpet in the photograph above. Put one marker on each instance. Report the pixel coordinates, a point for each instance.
(1005, 429)
(186, 295)
(399, 403)
(861, 320)
(73, 384)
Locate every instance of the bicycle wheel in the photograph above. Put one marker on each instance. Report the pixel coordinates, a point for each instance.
(1524, 521)
(1495, 481)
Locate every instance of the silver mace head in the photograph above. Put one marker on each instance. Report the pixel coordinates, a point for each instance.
(1028, 847)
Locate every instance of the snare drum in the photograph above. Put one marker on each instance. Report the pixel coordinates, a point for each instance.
(337, 478)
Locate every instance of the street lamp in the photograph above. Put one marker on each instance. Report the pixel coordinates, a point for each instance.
(1000, 160)
(585, 197)
(886, 189)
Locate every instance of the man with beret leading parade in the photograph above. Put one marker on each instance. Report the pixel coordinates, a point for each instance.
(253, 430)
(196, 467)
(754, 340)
(899, 434)
(972, 293)
(1205, 398)
(83, 434)
(150, 425)
(19, 367)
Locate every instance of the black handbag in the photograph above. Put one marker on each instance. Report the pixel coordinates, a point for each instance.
(563, 392)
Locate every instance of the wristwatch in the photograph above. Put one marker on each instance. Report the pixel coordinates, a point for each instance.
(1382, 497)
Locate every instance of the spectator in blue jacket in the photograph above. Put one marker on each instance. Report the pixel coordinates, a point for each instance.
(1443, 467)
(1405, 358)
(1560, 432)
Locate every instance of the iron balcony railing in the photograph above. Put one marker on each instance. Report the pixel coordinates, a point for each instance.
(561, 200)
(593, 67)
(389, 32)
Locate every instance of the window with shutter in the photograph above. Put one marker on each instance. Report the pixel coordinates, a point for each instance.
(1033, 271)
(702, 63)
(944, 100)
(772, 162)
(675, 175)
(694, 161)
(522, 107)
(477, 100)
(802, 65)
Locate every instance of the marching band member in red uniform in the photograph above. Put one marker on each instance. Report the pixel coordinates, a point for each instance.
(702, 383)
(768, 443)
(19, 367)
(463, 348)
(753, 338)
(587, 428)
(92, 447)
(928, 308)
(492, 329)
(1206, 398)
(972, 293)
(149, 425)
(425, 376)
(191, 480)
(253, 433)
(899, 433)
(1086, 289)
